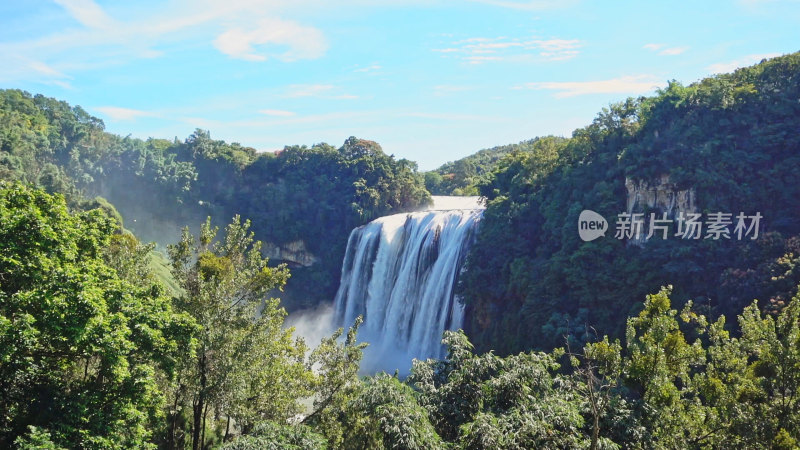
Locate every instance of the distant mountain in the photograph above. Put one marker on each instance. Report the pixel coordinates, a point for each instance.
(462, 176)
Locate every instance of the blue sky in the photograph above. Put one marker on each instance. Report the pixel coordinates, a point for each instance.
(431, 81)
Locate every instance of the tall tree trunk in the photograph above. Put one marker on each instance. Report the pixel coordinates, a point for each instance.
(174, 420)
(203, 435)
(227, 429)
(199, 406)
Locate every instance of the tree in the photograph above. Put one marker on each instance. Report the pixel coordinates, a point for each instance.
(80, 348)
(484, 401)
(385, 414)
(598, 371)
(247, 368)
(337, 382)
(658, 368)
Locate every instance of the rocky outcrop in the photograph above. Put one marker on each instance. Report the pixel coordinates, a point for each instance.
(661, 195)
(294, 252)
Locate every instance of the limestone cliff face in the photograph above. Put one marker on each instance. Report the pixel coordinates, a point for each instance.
(294, 252)
(660, 195)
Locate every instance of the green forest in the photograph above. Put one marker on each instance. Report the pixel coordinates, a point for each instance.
(139, 307)
(299, 194)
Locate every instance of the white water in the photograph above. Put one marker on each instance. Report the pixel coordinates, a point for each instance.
(399, 272)
(446, 202)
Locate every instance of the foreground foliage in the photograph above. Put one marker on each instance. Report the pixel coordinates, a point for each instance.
(247, 368)
(81, 349)
(95, 355)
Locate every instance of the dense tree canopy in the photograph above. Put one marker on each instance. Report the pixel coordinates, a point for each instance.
(463, 176)
(731, 138)
(311, 195)
(81, 348)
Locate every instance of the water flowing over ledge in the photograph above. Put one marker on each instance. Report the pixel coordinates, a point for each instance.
(448, 202)
(400, 272)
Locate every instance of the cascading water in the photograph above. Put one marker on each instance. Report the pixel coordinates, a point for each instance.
(399, 273)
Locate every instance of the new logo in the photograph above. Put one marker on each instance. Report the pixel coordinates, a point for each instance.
(591, 225)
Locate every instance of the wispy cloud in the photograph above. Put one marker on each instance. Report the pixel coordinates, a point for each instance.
(557, 49)
(630, 84)
(328, 91)
(653, 47)
(665, 50)
(307, 90)
(757, 3)
(446, 89)
(18, 67)
(117, 113)
(748, 60)
(244, 29)
(672, 51)
(478, 50)
(260, 123)
(530, 5)
(451, 116)
(276, 112)
(88, 13)
(370, 68)
(302, 42)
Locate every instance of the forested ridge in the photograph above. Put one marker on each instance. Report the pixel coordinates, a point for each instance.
(311, 195)
(463, 176)
(602, 344)
(732, 139)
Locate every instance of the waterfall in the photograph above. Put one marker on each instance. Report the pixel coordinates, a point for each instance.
(399, 273)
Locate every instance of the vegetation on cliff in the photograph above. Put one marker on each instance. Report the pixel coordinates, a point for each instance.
(731, 138)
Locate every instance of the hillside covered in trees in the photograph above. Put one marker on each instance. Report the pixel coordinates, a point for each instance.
(307, 199)
(462, 177)
(731, 142)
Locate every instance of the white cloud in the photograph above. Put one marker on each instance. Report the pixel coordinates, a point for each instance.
(445, 89)
(18, 67)
(303, 42)
(630, 84)
(744, 61)
(43, 69)
(316, 90)
(307, 90)
(123, 114)
(246, 29)
(88, 13)
(653, 47)
(276, 112)
(558, 49)
(478, 50)
(662, 49)
(371, 68)
(481, 59)
(451, 116)
(672, 51)
(530, 5)
(61, 84)
(344, 97)
(756, 3)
